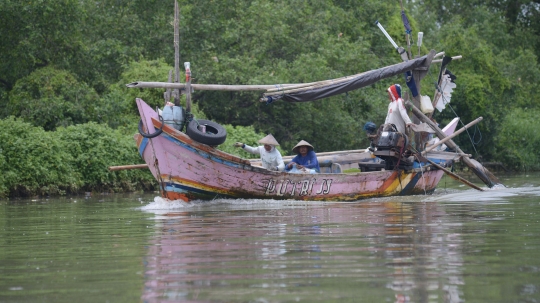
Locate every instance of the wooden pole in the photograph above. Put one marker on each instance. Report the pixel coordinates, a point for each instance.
(267, 87)
(452, 135)
(454, 176)
(167, 94)
(453, 58)
(124, 167)
(176, 52)
(199, 86)
(407, 34)
(483, 173)
(188, 86)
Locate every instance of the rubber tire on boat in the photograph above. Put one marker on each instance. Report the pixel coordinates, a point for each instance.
(215, 133)
(149, 136)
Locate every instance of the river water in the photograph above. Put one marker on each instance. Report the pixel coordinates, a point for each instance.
(457, 245)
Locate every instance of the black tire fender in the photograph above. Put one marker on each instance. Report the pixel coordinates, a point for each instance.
(215, 133)
(155, 134)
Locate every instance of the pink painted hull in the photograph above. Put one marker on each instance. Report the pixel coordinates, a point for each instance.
(190, 170)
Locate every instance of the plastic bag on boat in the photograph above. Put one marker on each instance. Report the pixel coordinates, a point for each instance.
(295, 170)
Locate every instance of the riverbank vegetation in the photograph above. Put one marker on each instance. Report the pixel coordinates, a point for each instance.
(66, 114)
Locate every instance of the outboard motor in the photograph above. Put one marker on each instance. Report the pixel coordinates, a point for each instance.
(391, 139)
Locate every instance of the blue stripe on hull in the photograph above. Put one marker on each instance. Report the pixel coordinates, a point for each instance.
(142, 147)
(183, 189)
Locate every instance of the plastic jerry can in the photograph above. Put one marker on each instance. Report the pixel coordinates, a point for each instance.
(173, 116)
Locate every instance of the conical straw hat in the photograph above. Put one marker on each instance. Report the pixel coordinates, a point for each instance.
(270, 140)
(302, 143)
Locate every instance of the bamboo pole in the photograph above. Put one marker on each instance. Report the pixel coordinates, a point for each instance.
(438, 55)
(222, 87)
(344, 152)
(167, 94)
(452, 135)
(483, 173)
(188, 86)
(407, 34)
(125, 167)
(453, 58)
(454, 176)
(176, 51)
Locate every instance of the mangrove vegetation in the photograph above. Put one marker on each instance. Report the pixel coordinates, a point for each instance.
(66, 114)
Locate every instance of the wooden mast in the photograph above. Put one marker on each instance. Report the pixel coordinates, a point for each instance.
(176, 52)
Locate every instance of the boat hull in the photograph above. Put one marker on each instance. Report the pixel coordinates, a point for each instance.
(189, 170)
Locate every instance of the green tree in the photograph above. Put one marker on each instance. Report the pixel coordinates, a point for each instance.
(49, 98)
(519, 140)
(94, 148)
(35, 34)
(34, 162)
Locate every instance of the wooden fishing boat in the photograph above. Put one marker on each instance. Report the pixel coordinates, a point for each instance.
(187, 170)
(188, 165)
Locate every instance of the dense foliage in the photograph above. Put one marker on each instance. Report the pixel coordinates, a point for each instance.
(65, 63)
(71, 160)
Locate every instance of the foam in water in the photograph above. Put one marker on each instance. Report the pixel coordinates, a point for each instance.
(162, 204)
(165, 204)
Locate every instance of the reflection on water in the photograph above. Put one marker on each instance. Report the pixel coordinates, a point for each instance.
(386, 249)
(458, 245)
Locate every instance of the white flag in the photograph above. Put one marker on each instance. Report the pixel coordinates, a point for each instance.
(447, 87)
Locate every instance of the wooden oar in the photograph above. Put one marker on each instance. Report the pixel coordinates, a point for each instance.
(454, 176)
(483, 173)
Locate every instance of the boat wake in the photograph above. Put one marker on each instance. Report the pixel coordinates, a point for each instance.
(501, 195)
(161, 204)
(497, 194)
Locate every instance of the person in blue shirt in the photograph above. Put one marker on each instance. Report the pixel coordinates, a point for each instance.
(306, 159)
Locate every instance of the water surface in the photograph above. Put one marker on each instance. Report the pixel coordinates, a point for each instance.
(458, 245)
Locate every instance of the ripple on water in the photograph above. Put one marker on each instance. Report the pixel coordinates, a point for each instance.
(495, 194)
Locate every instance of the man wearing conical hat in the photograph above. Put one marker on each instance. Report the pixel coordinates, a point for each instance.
(305, 158)
(270, 156)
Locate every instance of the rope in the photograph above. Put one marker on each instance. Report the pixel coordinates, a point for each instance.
(422, 172)
(189, 118)
(396, 168)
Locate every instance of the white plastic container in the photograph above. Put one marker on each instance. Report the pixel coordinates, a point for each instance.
(425, 105)
(173, 116)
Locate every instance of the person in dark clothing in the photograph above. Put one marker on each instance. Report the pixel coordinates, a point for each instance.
(306, 159)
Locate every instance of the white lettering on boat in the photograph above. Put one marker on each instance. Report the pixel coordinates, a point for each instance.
(325, 187)
(270, 187)
(282, 187)
(305, 187)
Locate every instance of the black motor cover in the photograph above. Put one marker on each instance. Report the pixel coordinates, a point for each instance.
(391, 140)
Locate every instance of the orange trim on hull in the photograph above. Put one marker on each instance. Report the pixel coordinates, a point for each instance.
(171, 195)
